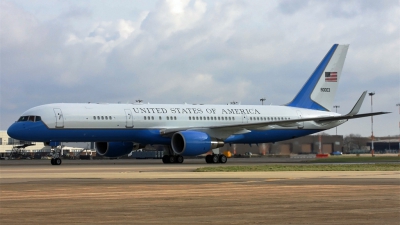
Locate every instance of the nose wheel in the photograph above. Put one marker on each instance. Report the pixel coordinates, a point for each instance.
(55, 160)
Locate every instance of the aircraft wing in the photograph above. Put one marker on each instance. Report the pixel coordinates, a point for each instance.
(245, 128)
(224, 131)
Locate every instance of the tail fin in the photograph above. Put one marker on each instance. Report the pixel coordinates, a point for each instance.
(320, 89)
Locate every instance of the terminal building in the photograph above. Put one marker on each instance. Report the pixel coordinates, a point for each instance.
(10, 147)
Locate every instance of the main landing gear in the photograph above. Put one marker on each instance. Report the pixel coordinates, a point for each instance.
(172, 159)
(216, 158)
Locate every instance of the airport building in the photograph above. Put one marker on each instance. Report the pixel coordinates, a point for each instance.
(303, 145)
(17, 148)
(312, 144)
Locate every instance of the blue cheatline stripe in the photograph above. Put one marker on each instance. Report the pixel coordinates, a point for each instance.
(38, 132)
(303, 98)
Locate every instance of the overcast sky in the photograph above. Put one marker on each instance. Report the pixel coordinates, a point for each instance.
(197, 52)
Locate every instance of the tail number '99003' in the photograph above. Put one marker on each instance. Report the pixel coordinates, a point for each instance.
(325, 90)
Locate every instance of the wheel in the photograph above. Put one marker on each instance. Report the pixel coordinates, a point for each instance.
(57, 161)
(52, 161)
(215, 159)
(171, 159)
(179, 159)
(165, 159)
(208, 159)
(223, 158)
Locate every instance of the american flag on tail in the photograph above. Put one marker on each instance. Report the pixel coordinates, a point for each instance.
(330, 76)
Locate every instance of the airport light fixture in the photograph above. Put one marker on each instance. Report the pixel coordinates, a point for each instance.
(398, 104)
(336, 107)
(262, 100)
(372, 125)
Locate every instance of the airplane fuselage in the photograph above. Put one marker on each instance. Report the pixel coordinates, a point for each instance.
(144, 123)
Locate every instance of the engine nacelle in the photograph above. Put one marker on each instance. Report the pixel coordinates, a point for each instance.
(115, 149)
(192, 143)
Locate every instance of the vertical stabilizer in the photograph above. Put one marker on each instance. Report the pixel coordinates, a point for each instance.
(320, 89)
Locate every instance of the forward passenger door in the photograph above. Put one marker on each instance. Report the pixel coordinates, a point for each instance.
(129, 118)
(59, 118)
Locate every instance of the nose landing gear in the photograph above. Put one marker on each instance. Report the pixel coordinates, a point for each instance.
(56, 160)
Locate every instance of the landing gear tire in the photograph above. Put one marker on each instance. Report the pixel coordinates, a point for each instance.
(215, 159)
(179, 159)
(56, 161)
(172, 159)
(209, 159)
(165, 159)
(223, 159)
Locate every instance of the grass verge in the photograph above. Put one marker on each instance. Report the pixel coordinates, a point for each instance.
(330, 167)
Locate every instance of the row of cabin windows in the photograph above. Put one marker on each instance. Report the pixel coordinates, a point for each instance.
(211, 118)
(193, 118)
(102, 117)
(160, 118)
(220, 118)
(269, 118)
(32, 118)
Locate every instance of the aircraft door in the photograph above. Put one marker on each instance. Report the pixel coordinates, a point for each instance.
(300, 125)
(129, 118)
(59, 118)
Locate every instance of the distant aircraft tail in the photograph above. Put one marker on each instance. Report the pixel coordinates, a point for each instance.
(320, 89)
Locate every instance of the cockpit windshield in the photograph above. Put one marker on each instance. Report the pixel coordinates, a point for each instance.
(30, 118)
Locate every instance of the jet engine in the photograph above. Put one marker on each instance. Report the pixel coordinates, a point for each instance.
(115, 149)
(192, 143)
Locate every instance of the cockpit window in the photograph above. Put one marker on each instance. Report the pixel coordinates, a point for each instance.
(23, 118)
(30, 118)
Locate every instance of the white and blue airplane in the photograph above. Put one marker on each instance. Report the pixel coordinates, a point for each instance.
(190, 130)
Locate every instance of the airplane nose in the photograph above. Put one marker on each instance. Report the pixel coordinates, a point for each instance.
(14, 130)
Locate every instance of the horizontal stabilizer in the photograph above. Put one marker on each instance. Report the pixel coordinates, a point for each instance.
(348, 116)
